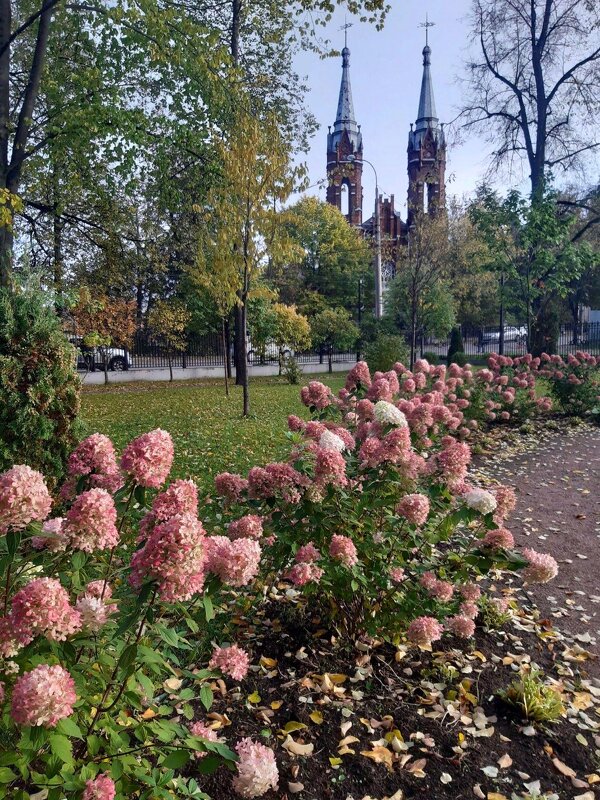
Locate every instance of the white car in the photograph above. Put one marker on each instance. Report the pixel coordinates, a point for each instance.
(92, 358)
(512, 333)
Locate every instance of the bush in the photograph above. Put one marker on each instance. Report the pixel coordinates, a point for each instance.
(458, 358)
(535, 700)
(39, 386)
(575, 383)
(292, 371)
(100, 620)
(384, 351)
(430, 356)
(456, 345)
(365, 526)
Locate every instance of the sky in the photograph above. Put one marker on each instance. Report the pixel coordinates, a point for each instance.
(385, 70)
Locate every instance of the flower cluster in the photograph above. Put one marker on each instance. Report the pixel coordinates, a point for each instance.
(236, 561)
(256, 769)
(424, 630)
(541, 569)
(101, 788)
(247, 527)
(42, 608)
(90, 523)
(43, 696)
(94, 457)
(148, 458)
(24, 498)
(316, 395)
(414, 508)
(232, 661)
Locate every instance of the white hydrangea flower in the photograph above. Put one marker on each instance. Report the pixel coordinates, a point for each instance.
(331, 441)
(387, 414)
(480, 500)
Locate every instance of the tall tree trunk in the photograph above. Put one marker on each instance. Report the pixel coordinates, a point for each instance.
(413, 331)
(227, 347)
(244, 363)
(58, 266)
(501, 338)
(239, 345)
(225, 357)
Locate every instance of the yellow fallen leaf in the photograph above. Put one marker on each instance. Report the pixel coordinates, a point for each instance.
(292, 726)
(592, 778)
(496, 796)
(297, 749)
(316, 717)
(276, 704)
(254, 698)
(148, 714)
(268, 662)
(347, 740)
(335, 762)
(336, 678)
(172, 684)
(346, 751)
(380, 755)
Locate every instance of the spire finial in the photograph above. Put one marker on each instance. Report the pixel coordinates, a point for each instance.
(426, 25)
(344, 28)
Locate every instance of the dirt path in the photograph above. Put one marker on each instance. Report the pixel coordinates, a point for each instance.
(557, 480)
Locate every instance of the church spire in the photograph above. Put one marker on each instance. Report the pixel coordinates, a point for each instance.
(345, 119)
(427, 116)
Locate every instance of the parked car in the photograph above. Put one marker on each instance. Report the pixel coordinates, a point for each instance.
(512, 333)
(92, 358)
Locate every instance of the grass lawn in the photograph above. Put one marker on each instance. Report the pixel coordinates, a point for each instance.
(209, 433)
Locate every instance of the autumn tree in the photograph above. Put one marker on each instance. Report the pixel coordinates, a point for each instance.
(168, 320)
(241, 232)
(332, 330)
(103, 322)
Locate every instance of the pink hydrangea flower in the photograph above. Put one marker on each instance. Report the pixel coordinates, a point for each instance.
(295, 424)
(461, 626)
(204, 732)
(256, 769)
(55, 540)
(91, 522)
(248, 527)
(468, 609)
(480, 500)
(43, 696)
(359, 375)
(303, 572)
(235, 562)
(428, 580)
(453, 460)
(342, 549)
(308, 553)
(232, 661)
(181, 497)
(330, 468)
(316, 395)
(95, 612)
(24, 498)
(42, 608)
(397, 574)
(94, 456)
(470, 591)
(424, 630)
(101, 788)
(230, 486)
(331, 441)
(542, 567)
(173, 556)
(506, 502)
(148, 458)
(414, 508)
(442, 591)
(499, 539)
(501, 604)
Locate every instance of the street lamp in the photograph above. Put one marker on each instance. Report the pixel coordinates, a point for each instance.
(378, 282)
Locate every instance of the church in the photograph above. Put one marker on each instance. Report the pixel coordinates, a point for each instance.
(426, 165)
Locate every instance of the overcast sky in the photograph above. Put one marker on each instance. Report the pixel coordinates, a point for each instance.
(385, 71)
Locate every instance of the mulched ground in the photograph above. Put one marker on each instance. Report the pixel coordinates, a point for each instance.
(377, 722)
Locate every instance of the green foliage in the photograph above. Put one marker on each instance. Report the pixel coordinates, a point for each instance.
(39, 387)
(382, 353)
(430, 356)
(537, 701)
(135, 693)
(456, 346)
(292, 371)
(333, 329)
(576, 386)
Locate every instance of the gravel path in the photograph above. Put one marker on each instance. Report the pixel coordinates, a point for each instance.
(557, 480)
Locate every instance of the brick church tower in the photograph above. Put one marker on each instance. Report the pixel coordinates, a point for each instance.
(426, 151)
(344, 144)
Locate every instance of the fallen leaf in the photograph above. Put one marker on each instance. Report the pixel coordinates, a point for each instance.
(563, 768)
(380, 755)
(292, 726)
(297, 749)
(445, 778)
(316, 717)
(254, 698)
(505, 761)
(294, 788)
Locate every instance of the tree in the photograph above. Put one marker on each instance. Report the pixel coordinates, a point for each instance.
(534, 88)
(103, 322)
(242, 232)
(333, 329)
(291, 330)
(169, 320)
(421, 266)
(334, 257)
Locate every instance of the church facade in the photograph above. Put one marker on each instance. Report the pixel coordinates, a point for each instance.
(426, 166)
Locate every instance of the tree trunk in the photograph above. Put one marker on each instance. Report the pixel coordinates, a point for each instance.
(413, 333)
(58, 266)
(170, 369)
(244, 363)
(501, 338)
(105, 369)
(225, 358)
(330, 358)
(239, 346)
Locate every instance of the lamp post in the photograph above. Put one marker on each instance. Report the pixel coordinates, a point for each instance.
(378, 281)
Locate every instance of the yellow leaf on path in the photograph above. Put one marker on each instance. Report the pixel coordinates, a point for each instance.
(148, 714)
(254, 698)
(496, 796)
(347, 740)
(336, 678)
(335, 762)
(316, 717)
(276, 704)
(380, 755)
(268, 662)
(292, 726)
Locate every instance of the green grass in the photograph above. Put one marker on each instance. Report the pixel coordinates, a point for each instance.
(208, 430)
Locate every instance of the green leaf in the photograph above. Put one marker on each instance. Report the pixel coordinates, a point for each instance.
(7, 775)
(61, 747)
(176, 759)
(209, 610)
(78, 560)
(69, 728)
(206, 696)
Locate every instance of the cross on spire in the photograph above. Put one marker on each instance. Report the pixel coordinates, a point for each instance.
(344, 28)
(426, 25)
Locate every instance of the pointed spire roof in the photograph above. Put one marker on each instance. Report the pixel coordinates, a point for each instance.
(427, 114)
(345, 119)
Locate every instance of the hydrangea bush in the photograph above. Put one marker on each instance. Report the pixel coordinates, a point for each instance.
(372, 516)
(100, 605)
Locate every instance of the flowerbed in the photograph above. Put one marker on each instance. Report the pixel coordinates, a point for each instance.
(370, 519)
